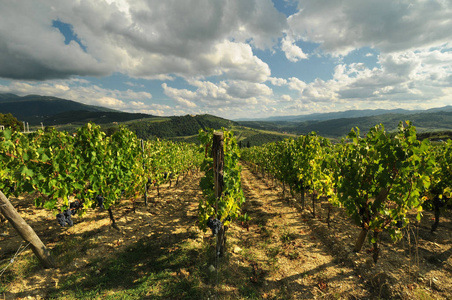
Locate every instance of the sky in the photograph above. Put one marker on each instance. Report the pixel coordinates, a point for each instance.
(230, 58)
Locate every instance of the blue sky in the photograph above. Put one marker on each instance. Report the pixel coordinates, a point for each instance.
(230, 58)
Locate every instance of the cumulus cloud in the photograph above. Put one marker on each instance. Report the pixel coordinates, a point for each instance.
(277, 81)
(297, 84)
(150, 39)
(292, 51)
(180, 95)
(404, 79)
(30, 48)
(237, 61)
(286, 98)
(391, 26)
(209, 95)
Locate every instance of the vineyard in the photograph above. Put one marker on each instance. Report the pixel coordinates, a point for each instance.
(122, 218)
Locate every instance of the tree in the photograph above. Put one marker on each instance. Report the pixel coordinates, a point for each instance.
(8, 120)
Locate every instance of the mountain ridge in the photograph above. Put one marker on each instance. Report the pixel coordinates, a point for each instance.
(342, 114)
(36, 108)
(54, 111)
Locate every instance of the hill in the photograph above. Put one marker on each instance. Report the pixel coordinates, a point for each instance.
(68, 115)
(80, 117)
(178, 126)
(424, 121)
(35, 109)
(345, 115)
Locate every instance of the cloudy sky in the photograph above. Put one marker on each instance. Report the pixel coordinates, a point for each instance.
(230, 58)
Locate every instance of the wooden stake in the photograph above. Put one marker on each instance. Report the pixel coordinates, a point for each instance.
(218, 164)
(26, 232)
(146, 184)
(360, 241)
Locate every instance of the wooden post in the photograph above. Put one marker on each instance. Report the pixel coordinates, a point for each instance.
(146, 184)
(302, 197)
(314, 196)
(26, 232)
(218, 164)
(360, 241)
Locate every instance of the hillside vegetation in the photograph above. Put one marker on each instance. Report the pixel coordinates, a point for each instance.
(424, 122)
(69, 115)
(35, 109)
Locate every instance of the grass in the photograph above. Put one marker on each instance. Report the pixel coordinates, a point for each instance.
(287, 237)
(148, 269)
(155, 267)
(22, 266)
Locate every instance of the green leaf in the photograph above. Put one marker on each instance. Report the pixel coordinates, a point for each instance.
(7, 133)
(26, 171)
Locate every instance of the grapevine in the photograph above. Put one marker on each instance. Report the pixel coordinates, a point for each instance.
(226, 208)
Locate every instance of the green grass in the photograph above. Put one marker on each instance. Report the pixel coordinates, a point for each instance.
(22, 266)
(149, 269)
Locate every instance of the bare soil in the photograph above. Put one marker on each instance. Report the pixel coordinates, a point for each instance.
(283, 252)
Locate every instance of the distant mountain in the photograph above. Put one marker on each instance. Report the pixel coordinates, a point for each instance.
(53, 111)
(344, 114)
(98, 117)
(426, 121)
(69, 114)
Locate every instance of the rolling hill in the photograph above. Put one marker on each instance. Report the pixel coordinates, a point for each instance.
(35, 109)
(68, 115)
(427, 121)
(345, 115)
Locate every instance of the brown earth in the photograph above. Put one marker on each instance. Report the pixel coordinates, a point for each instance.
(281, 253)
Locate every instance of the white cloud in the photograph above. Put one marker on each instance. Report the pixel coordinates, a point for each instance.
(150, 39)
(244, 89)
(296, 84)
(237, 61)
(180, 95)
(408, 79)
(292, 51)
(391, 26)
(215, 47)
(214, 96)
(133, 84)
(286, 98)
(277, 81)
(110, 102)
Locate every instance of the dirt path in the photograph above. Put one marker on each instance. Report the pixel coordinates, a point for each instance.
(289, 251)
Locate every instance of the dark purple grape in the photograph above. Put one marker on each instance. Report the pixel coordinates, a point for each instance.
(69, 221)
(67, 215)
(75, 206)
(61, 218)
(214, 225)
(100, 201)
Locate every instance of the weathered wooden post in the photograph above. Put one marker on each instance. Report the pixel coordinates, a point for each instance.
(146, 184)
(218, 164)
(26, 232)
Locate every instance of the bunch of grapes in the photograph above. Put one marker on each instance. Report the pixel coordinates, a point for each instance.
(214, 225)
(100, 201)
(65, 218)
(75, 206)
